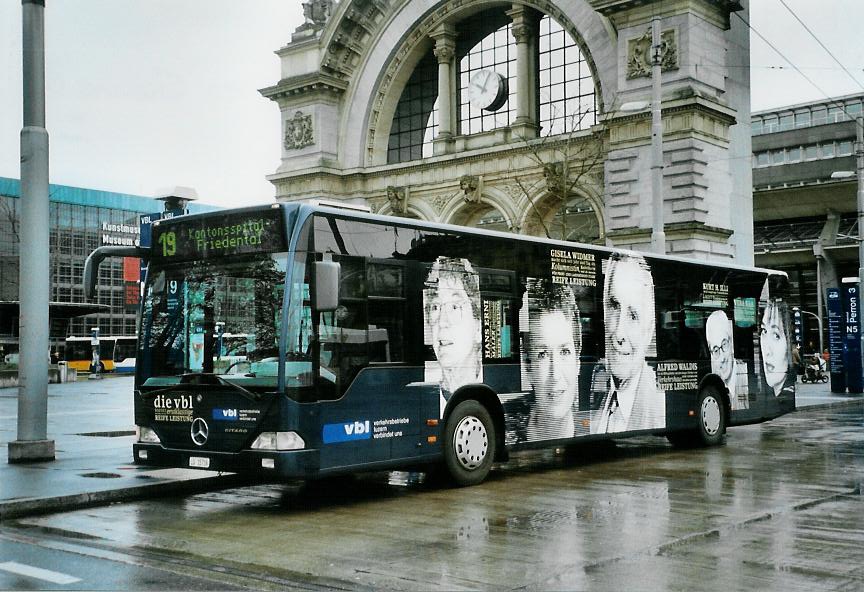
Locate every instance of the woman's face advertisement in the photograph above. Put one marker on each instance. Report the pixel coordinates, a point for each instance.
(775, 346)
(553, 364)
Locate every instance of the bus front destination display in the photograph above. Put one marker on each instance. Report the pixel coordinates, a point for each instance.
(222, 234)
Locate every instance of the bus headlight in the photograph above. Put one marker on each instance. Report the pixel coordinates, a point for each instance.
(278, 441)
(146, 435)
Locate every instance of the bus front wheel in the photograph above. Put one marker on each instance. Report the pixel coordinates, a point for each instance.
(469, 443)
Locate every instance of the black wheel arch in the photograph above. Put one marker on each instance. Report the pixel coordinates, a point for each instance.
(486, 397)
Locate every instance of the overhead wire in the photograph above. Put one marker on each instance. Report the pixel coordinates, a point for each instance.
(831, 100)
(819, 41)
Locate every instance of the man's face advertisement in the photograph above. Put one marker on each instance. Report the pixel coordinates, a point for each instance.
(628, 320)
(718, 333)
(454, 328)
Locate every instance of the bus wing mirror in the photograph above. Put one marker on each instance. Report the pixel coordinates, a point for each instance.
(94, 260)
(326, 285)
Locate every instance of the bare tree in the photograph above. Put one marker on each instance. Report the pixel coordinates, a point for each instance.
(561, 163)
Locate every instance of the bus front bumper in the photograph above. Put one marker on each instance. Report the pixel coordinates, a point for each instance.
(260, 463)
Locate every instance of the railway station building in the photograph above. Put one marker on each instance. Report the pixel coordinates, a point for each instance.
(529, 117)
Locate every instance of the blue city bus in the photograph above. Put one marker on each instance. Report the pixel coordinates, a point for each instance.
(374, 342)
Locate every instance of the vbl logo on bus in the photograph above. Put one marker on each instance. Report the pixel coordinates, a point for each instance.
(345, 432)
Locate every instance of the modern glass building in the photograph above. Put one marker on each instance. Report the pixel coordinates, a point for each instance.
(80, 220)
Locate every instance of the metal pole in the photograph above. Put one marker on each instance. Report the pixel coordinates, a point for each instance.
(658, 236)
(32, 443)
(819, 311)
(819, 323)
(859, 153)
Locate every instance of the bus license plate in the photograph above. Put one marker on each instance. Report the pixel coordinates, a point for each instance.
(199, 462)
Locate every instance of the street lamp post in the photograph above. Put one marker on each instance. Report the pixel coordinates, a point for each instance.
(658, 234)
(818, 321)
(33, 444)
(859, 168)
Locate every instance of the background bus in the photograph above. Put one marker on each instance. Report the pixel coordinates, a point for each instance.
(79, 353)
(124, 353)
(377, 342)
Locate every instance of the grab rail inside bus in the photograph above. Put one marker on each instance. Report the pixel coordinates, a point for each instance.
(94, 260)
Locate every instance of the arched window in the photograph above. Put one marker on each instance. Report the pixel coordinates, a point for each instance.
(415, 122)
(566, 87)
(486, 84)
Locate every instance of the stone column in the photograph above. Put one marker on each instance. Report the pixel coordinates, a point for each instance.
(445, 50)
(524, 29)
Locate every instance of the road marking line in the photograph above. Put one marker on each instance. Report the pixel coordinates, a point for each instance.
(55, 577)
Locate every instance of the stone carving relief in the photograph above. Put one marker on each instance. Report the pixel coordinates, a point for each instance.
(439, 202)
(553, 172)
(397, 198)
(639, 56)
(317, 12)
(360, 20)
(472, 187)
(298, 132)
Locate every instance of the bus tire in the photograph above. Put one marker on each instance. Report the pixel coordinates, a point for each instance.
(711, 425)
(712, 417)
(469, 443)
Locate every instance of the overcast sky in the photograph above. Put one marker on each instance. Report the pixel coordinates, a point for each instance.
(147, 94)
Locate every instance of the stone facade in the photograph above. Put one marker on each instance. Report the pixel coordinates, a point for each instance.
(344, 71)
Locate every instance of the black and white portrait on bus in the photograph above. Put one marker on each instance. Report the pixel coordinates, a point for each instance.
(631, 398)
(774, 348)
(452, 317)
(733, 372)
(551, 349)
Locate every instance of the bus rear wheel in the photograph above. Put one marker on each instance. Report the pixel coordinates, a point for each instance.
(712, 419)
(469, 443)
(711, 426)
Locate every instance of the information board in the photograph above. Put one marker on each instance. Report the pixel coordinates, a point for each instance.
(836, 331)
(852, 338)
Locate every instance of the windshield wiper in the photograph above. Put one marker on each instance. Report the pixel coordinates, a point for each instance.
(249, 394)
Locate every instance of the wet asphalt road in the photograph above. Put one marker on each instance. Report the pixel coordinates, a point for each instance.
(779, 507)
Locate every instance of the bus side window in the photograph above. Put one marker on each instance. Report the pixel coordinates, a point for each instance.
(386, 284)
(342, 333)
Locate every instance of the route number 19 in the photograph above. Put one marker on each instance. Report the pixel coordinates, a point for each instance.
(168, 240)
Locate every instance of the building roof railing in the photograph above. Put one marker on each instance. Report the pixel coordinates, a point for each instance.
(804, 115)
(97, 198)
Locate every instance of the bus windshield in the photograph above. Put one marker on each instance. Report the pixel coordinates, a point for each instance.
(194, 311)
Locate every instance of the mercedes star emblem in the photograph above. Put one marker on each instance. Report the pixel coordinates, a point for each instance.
(199, 431)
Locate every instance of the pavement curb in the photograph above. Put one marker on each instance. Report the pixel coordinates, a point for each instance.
(15, 509)
(832, 404)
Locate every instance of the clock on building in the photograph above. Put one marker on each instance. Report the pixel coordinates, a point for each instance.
(487, 90)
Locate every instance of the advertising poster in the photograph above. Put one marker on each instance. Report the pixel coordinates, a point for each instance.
(453, 325)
